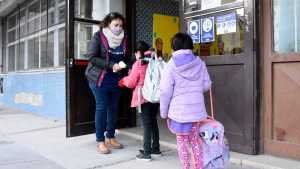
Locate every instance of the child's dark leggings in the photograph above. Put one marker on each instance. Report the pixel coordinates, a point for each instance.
(151, 131)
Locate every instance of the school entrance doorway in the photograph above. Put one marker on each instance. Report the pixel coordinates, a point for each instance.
(83, 19)
(224, 36)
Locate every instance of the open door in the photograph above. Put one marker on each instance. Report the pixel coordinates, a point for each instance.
(82, 21)
(224, 40)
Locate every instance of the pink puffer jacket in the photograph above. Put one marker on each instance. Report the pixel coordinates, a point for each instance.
(135, 80)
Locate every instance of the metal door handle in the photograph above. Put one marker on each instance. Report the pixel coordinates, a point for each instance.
(71, 62)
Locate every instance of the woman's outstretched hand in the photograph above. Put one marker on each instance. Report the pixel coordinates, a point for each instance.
(116, 68)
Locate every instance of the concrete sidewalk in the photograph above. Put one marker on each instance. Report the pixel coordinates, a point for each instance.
(16, 156)
(236, 159)
(33, 142)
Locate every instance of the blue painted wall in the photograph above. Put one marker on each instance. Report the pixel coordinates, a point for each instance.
(50, 85)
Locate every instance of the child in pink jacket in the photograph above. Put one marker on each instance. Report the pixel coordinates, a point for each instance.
(135, 81)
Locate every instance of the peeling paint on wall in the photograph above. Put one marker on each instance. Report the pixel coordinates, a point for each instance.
(28, 98)
(40, 92)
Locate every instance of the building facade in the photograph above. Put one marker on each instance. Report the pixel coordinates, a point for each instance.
(33, 51)
(33, 56)
(251, 48)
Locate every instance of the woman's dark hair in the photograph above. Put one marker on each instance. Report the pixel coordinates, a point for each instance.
(181, 41)
(142, 46)
(112, 16)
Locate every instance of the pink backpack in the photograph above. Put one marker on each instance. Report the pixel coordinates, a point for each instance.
(215, 146)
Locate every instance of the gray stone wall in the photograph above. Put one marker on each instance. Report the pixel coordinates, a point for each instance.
(144, 15)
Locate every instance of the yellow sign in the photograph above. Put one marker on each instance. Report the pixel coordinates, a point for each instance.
(164, 28)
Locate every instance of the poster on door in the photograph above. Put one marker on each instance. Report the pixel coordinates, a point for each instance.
(207, 30)
(207, 4)
(194, 30)
(164, 28)
(226, 23)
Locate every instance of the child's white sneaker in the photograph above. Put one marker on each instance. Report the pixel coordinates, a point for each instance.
(143, 157)
(153, 153)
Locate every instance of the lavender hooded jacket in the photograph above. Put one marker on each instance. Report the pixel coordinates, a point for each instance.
(182, 85)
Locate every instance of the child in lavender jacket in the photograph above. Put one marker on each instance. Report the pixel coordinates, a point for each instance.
(183, 83)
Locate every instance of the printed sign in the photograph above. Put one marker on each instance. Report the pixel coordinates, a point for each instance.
(207, 4)
(226, 24)
(194, 30)
(207, 30)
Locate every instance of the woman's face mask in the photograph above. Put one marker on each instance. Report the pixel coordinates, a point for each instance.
(116, 26)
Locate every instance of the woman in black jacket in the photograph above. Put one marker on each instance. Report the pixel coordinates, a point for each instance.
(107, 60)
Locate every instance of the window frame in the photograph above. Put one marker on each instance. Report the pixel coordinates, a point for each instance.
(18, 40)
(212, 10)
(274, 52)
(78, 29)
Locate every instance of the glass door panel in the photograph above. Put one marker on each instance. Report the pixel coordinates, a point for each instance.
(286, 26)
(83, 36)
(90, 9)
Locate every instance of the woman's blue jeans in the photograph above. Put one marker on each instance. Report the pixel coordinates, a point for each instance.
(106, 100)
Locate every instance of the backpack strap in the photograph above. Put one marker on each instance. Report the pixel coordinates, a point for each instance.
(211, 104)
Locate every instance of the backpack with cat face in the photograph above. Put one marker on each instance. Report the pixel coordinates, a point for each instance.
(214, 144)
